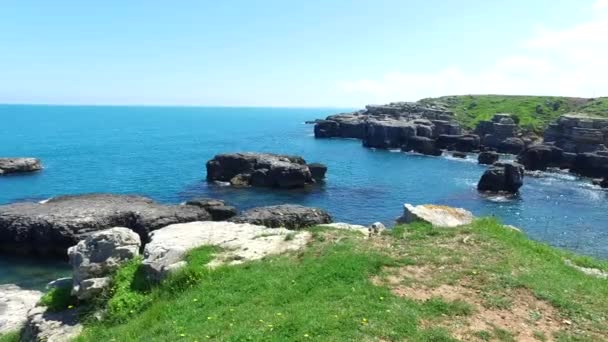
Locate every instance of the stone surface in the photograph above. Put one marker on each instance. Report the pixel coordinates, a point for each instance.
(436, 215)
(422, 145)
(19, 165)
(461, 143)
(541, 157)
(347, 226)
(43, 326)
(487, 157)
(502, 177)
(53, 226)
(95, 258)
(577, 133)
(591, 164)
(289, 216)
(317, 170)
(240, 242)
(259, 169)
(15, 303)
(218, 209)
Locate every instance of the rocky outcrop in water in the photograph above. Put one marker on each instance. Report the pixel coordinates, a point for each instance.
(19, 165)
(15, 303)
(260, 169)
(95, 259)
(576, 133)
(500, 134)
(289, 216)
(240, 242)
(436, 215)
(502, 177)
(53, 226)
(487, 157)
(541, 157)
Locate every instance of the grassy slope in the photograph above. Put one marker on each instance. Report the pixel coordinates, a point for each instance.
(470, 109)
(338, 289)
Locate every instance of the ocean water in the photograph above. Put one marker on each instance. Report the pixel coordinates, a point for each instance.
(161, 152)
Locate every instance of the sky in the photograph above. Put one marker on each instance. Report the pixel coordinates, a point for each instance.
(310, 53)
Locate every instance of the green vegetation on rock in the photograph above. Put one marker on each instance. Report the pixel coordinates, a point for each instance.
(533, 112)
(416, 283)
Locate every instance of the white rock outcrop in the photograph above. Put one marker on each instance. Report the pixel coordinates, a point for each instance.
(95, 258)
(436, 215)
(47, 326)
(241, 242)
(15, 302)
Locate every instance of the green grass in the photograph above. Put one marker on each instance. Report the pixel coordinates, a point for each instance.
(326, 292)
(10, 337)
(58, 299)
(532, 112)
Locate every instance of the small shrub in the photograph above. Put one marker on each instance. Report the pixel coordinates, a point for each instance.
(59, 299)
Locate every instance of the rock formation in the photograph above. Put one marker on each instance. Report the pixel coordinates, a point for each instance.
(436, 215)
(287, 215)
(487, 157)
(15, 303)
(576, 133)
(19, 165)
(53, 226)
(499, 134)
(240, 242)
(218, 209)
(43, 325)
(261, 169)
(502, 177)
(95, 258)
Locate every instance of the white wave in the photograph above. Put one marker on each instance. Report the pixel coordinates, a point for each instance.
(46, 200)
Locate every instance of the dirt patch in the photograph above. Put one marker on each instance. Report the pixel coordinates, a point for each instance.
(525, 318)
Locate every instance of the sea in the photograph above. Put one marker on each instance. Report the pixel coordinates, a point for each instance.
(160, 152)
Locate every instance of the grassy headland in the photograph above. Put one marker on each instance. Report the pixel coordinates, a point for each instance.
(533, 112)
(416, 283)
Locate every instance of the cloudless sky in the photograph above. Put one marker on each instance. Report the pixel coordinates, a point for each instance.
(264, 52)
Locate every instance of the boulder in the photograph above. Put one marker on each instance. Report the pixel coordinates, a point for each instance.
(461, 143)
(317, 170)
(422, 145)
(511, 146)
(19, 165)
(260, 169)
(502, 177)
(95, 259)
(239, 242)
(487, 157)
(289, 216)
(42, 325)
(218, 209)
(50, 227)
(436, 215)
(591, 164)
(15, 303)
(540, 157)
(459, 155)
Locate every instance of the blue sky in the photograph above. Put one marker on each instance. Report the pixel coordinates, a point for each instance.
(297, 53)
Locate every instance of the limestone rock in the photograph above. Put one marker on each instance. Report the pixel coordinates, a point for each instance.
(436, 215)
(44, 326)
(95, 258)
(19, 165)
(317, 170)
(15, 303)
(422, 145)
(289, 216)
(53, 226)
(502, 177)
(540, 157)
(347, 226)
(218, 209)
(487, 157)
(240, 241)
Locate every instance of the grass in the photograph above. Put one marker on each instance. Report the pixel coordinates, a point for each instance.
(10, 337)
(344, 287)
(532, 112)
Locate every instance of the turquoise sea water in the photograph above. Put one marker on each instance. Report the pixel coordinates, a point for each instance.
(161, 152)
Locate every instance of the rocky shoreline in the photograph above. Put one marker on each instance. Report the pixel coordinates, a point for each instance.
(19, 165)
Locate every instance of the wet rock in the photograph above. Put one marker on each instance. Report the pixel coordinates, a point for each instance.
(49, 228)
(591, 164)
(459, 155)
(240, 242)
(95, 259)
(19, 165)
(422, 145)
(317, 170)
(461, 143)
(488, 157)
(289, 216)
(502, 177)
(436, 215)
(15, 303)
(540, 157)
(388, 133)
(260, 169)
(218, 209)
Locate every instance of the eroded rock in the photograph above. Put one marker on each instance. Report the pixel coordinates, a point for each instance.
(502, 177)
(15, 303)
(436, 215)
(19, 165)
(290, 216)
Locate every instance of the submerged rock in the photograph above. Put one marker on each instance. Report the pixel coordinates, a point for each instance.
(487, 157)
(15, 303)
(502, 177)
(436, 215)
(240, 242)
(19, 165)
(53, 226)
(289, 216)
(260, 169)
(95, 258)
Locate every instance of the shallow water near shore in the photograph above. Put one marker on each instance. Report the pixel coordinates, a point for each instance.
(161, 152)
